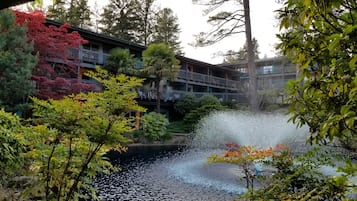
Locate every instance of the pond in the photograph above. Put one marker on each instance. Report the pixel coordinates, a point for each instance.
(181, 173)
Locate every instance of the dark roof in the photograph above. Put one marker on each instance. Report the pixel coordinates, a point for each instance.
(100, 37)
(90, 35)
(9, 3)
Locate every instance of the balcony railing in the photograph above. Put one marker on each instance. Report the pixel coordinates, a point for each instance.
(206, 79)
(174, 95)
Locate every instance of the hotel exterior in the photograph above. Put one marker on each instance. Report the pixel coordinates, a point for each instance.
(225, 81)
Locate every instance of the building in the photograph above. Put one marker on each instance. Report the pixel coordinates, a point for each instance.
(225, 81)
(195, 76)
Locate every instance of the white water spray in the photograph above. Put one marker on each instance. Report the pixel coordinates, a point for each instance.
(262, 130)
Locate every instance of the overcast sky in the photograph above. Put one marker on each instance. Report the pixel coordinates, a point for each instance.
(264, 28)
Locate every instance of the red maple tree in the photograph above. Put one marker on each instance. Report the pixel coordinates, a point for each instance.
(56, 73)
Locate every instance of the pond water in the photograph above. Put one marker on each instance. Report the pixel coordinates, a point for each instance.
(180, 173)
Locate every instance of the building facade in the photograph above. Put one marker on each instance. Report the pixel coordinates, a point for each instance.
(225, 81)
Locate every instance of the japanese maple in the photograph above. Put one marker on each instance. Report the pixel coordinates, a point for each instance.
(246, 157)
(56, 74)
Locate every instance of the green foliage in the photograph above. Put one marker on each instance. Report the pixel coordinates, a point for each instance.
(75, 12)
(16, 63)
(120, 61)
(73, 134)
(194, 109)
(11, 146)
(167, 30)
(154, 126)
(322, 41)
(178, 127)
(160, 60)
(300, 178)
(233, 57)
(187, 103)
(208, 100)
(192, 118)
(121, 19)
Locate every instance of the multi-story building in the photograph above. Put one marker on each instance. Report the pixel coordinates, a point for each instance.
(224, 81)
(272, 73)
(194, 76)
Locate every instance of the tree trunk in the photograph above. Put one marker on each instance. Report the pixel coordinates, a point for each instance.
(158, 95)
(252, 90)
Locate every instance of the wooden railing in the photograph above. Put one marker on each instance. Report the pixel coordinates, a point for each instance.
(174, 95)
(207, 79)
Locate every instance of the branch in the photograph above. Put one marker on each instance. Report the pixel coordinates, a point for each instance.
(65, 169)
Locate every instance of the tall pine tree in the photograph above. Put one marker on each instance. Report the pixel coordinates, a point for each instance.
(120, 19)
(76, 12)
(167, 30)
(16, 63)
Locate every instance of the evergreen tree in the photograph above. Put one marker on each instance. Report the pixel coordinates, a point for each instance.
(242, 55)
(79, 13)
(58, 11)
(146, 13)
(76, 12)
(16, 63)
(167, 30)
(234, 19)
(120, 19)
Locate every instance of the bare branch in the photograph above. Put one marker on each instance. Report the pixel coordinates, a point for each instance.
(224, 23)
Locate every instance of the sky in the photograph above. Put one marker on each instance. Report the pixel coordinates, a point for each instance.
(264, 29)
(192, 21)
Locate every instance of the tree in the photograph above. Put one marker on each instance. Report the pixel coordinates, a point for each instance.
(58, 11)
(246, 156)
(146, 13)
(16, 63)
(75, 12)
(120, 19)
(321, 37)
(56, 73)
(227, 23)
(233, 57)
(67, 147)
(120, 61)
(159, 60)
(167, 30)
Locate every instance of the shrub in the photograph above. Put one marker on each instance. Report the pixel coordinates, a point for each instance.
(154, 126)
(187, 103)
(208, 100)
(192, 118)
(11, 146)
(300, 178)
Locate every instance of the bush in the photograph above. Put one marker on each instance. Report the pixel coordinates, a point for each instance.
(154, 126)
(11, 146)
(208, 100)
(192, 118)
(178, 127)
(300, 178)
(187, 103)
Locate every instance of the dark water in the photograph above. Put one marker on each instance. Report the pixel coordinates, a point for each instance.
(155, 173)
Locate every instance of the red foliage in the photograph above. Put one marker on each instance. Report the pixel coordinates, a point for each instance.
(57, 71)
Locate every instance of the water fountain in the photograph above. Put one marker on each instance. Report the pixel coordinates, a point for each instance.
(183, 176)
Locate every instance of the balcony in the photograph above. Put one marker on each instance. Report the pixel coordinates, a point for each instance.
(198, 78)
(174, 95)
